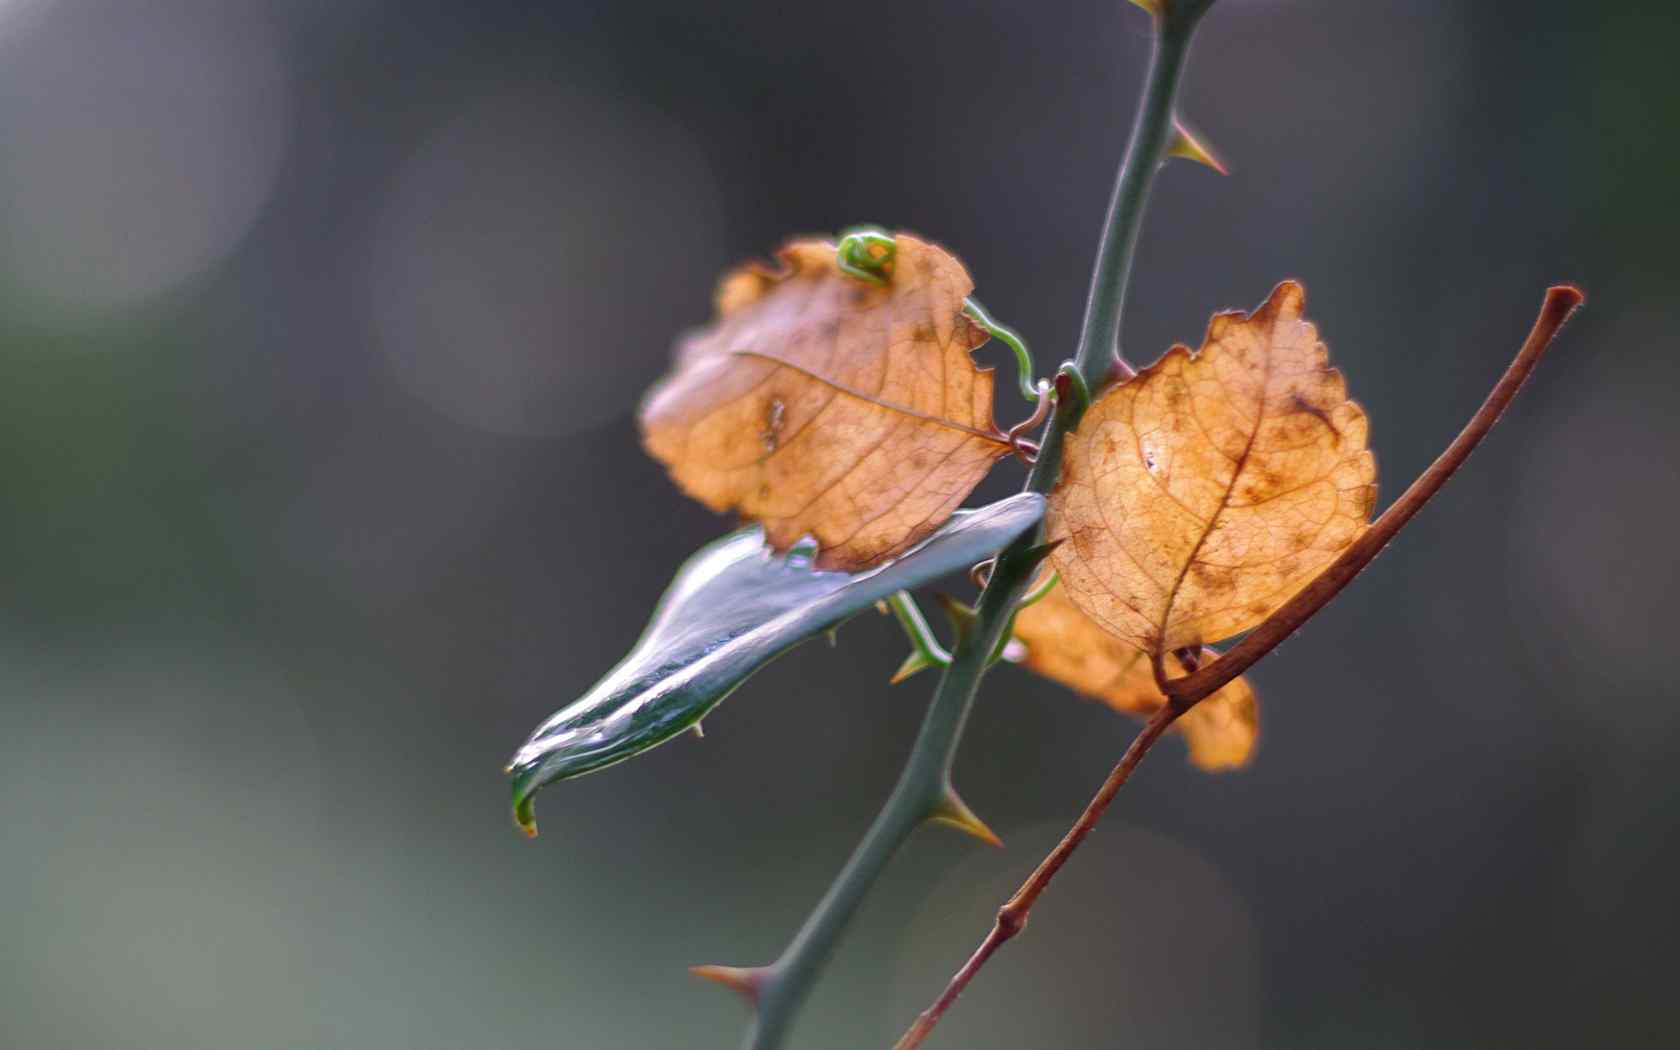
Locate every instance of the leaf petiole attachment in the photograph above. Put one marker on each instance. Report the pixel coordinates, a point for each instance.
(1071, 381)
(925, 650)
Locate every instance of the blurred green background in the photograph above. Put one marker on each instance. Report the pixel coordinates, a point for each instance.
(323, 325)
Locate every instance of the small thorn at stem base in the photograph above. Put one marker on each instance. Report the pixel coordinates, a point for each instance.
(962, 616)
(1119, 370)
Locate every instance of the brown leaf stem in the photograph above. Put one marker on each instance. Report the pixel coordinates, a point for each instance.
(1185, 692)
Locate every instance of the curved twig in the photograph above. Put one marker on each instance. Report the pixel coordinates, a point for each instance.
(1185, 692)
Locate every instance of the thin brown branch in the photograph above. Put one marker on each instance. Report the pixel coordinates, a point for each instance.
(1185, 692)
(1012, 917)
(1560, 302)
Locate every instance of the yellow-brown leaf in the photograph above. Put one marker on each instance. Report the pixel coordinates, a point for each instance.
(1200, 495)
(1064, 644)
(821, 404)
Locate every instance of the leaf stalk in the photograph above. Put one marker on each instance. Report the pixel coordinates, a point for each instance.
(1031, 389)
(925, 650)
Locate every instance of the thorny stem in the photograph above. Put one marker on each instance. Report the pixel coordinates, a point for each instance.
(1099, 338)
(1012, 917)
(1185, 692)
(924, 790)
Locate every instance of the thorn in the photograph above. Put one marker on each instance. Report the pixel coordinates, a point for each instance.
(748, 981)
(698, 730)
(881, 606)
(1152, 6)
(952, 811)
(916, 661)
(1185, 143)
(962, 617)
(1033, 555)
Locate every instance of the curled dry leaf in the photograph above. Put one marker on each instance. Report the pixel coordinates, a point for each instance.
(1200, 495)
(1063, 643)
(822, 404)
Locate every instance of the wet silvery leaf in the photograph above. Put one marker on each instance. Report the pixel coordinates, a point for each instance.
(733, 607)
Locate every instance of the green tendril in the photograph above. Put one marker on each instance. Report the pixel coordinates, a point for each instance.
(867, 253)
(1010, 338)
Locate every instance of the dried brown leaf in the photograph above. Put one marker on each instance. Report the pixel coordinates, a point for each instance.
(1064, 644)
(1200, 495)
(821, 404)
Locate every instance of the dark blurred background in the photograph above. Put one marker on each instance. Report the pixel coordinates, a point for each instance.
(323, 326)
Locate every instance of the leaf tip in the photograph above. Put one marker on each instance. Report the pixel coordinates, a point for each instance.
(525, 816)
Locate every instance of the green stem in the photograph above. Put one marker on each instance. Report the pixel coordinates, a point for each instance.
(924, 787)
(921, 789)
(1099, 339)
